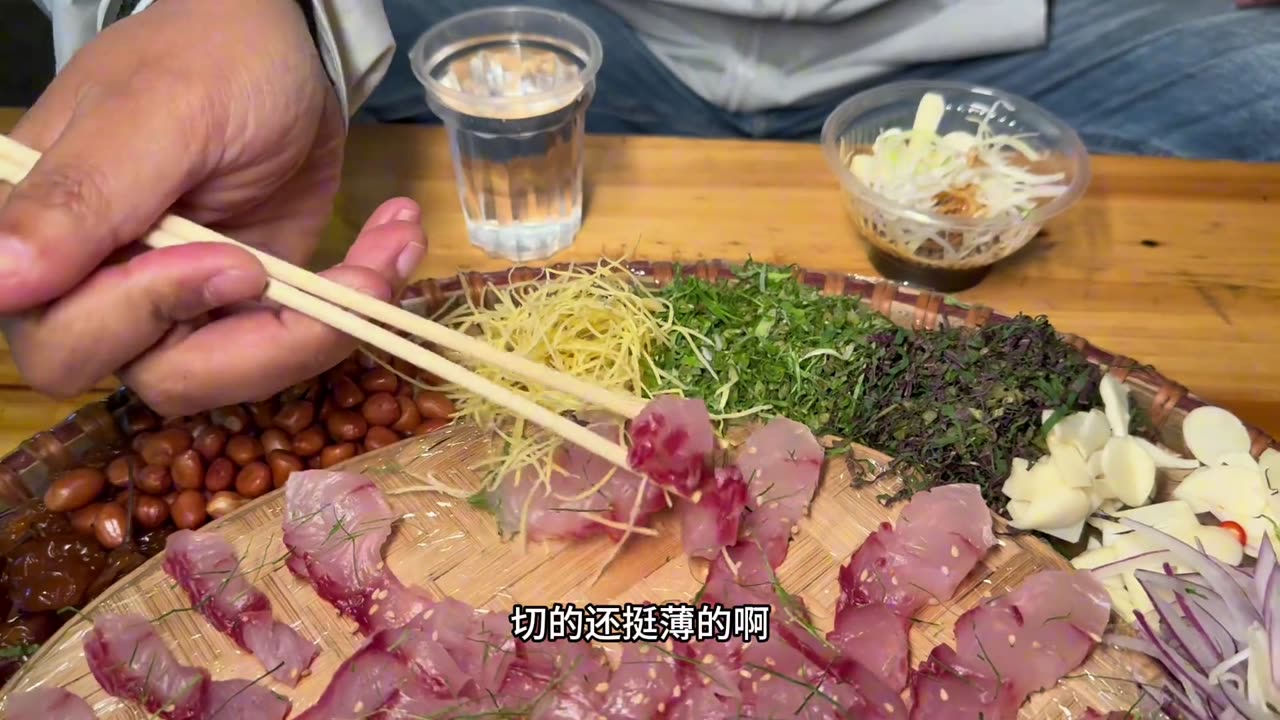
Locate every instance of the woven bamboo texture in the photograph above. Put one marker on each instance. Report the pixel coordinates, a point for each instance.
(451, 548)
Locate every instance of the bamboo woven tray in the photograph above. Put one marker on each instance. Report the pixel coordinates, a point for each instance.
(460, 553)
(451, 548)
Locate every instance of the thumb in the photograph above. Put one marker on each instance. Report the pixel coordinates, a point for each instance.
(116, 167)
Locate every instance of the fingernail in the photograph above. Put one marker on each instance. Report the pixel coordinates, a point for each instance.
(409, 259)
(232, 286)
(15, 256)
(408, 213)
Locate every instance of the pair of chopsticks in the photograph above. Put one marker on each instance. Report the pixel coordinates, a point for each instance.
(341, 308)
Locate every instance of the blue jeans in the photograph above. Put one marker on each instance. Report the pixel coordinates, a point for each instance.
(1181, 78)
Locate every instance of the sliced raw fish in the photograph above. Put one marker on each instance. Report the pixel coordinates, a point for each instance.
(131, 662)
(940, 537)
(781, 462)
(1037, 633)
(877, 638)
(694, 701)
(365, 683)
(620, 487)
(672, 440)
(335, 526)
(205, 565)
(558, 680)
(945, 688)
(244, 700)
(709, 520)
(551, 508)
(46, 703)
(645, 678)
(454, 649)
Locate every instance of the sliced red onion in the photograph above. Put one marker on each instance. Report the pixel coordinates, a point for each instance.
(1264, 571)
(1195, 647)
(1129, 564)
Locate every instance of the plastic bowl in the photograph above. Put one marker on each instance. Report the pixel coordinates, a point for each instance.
(945, 252)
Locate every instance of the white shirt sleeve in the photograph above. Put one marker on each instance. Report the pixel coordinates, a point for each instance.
(353, 36)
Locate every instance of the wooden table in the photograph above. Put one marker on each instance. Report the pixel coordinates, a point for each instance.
(1174, 263)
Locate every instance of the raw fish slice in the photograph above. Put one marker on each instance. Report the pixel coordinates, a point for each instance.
(557, 680)
(620, 486)
(1020, 640)
(413, 704)
(873, 575)
(781, 462)
(695, 702)
(671, 442)
(710, 520)
(957, 509)
(645, 678)
(336, 524)
(778, 680)
(365, 683)
(46, 703)
(244, 700)
(875, 637)
(944, 688)
(131, 662)
(715, 667)
(454, 649)
(551, 509)
(207, 568)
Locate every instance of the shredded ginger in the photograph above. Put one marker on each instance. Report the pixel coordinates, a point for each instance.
(982, 175)
(595, 324)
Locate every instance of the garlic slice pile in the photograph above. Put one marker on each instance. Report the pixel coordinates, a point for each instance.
(1093, 463)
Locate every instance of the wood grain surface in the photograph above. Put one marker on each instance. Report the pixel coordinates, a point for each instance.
(437, 532)
(1174, 263)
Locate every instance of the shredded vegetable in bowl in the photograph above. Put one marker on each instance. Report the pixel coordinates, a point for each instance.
(952, 199)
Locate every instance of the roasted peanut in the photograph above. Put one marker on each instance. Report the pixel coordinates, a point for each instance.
(188, 510)
(263, 414)
(160, 448)
(188, 470)
(244, 449)
(346, 426)
(276, 439)
(150, 512)
(223, 503)
(295, 417)
(334, 454)
(75, 489)
(254, 480)
(345, 393)
(220, 475)
(378, 380)
(154, 480)
(210, 442)
(110, 527)
(232, 417)
(380, 437)
(309, 442)
(381, 409)
(82, 519)
(118, 469)
(283, 464)
(139, 439)
(410, 418)
(434, 404)
(139, 419)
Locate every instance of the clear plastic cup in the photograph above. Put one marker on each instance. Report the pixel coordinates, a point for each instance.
(512, 86)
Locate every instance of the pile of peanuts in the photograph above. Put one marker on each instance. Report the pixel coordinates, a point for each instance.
(188, 470)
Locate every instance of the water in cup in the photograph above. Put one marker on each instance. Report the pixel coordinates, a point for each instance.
(514, 104)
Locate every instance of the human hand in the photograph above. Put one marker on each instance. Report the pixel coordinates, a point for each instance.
(222, 112)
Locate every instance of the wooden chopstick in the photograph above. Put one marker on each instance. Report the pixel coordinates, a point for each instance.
(173, 230)
(16, 160)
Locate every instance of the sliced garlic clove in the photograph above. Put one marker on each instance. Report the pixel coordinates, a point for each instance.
(1128, 473)
(1240, 459)
(1165, 458)
(1228, 492)
(1070, 464)
(1115, 399)
(1053, 506)
(1211, 432)
(1021, 483)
